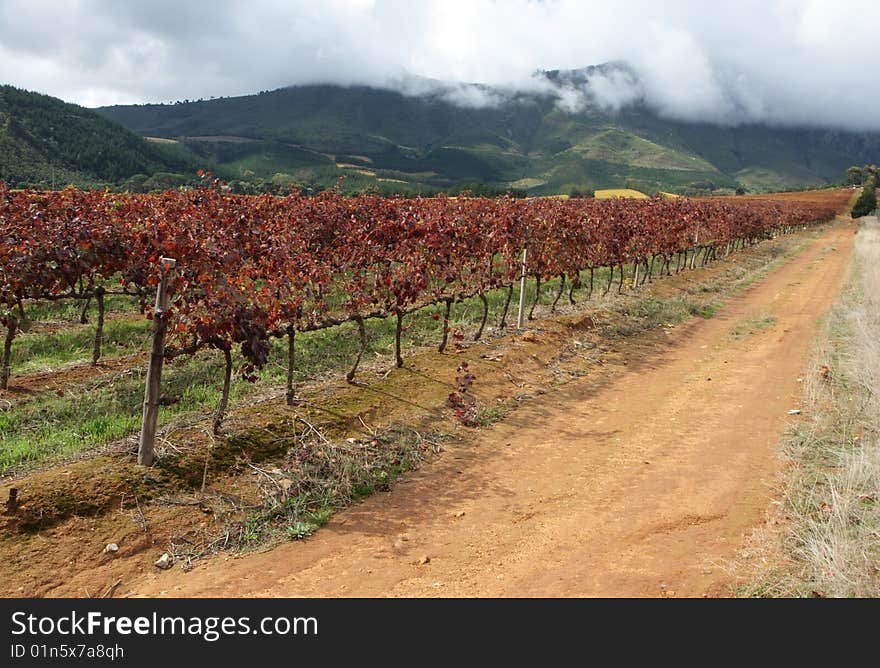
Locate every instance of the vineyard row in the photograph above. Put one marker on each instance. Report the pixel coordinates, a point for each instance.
(253, 268)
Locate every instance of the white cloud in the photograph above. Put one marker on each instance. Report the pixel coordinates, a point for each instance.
(616, 90)
(778, 61)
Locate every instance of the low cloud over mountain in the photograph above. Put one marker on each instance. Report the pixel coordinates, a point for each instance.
(784, 62)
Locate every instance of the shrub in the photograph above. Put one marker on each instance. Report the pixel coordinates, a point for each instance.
(867, 201)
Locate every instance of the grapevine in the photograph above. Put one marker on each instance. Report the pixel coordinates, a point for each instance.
(253, 268)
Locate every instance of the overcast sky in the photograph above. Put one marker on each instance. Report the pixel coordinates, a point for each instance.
(782, 61)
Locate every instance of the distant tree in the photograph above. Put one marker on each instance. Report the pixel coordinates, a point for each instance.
(857, 176)
(165, 181)
(867, 201)
(740, 190)
(633, 184)
(479, 189)
(854, 176)
(697, 189)
(135, 183)
(581, 193)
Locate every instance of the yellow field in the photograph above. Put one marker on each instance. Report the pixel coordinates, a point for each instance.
(620, 192)
(355, 168)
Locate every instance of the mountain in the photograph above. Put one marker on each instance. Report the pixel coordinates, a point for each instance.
(586, 128)
(43, 139)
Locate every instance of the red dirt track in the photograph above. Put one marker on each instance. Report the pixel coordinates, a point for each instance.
(647, 487)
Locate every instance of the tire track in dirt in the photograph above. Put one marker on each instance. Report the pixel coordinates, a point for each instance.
(647, 487)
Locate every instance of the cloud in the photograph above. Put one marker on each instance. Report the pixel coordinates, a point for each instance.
(615, 90)
(777, 61)
(473, 96)
(607, 87)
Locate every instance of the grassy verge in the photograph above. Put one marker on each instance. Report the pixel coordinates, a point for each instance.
(52, 336)
(699, 299)
(830, 540)
(44, 352)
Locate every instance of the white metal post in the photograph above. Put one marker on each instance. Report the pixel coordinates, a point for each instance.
(522, 293)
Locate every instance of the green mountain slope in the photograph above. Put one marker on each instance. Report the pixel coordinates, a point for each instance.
(314, 134)
(383, 139)
(44, 139)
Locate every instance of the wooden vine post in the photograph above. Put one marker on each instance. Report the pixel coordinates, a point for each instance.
(153, 385)
(11, 329)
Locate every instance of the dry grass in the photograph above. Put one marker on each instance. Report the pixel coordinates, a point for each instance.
(291, 497)
(830, 540)
(620, 192)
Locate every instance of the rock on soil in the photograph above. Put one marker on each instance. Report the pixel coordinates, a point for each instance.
(164, 562)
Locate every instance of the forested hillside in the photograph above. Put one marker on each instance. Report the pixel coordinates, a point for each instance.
(44, 140)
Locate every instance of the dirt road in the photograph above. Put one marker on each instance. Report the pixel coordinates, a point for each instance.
(647, 487)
